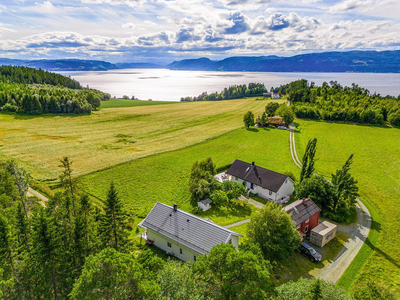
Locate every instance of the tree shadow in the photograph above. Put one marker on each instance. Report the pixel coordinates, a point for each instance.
(252, 129)
(47, 116)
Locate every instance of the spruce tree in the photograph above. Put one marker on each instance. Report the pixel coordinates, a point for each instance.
(113, 224)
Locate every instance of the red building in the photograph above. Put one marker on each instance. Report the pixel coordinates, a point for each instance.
(305, 214)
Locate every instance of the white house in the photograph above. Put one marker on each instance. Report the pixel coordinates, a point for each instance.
(204, 204)
(263, 182)
(275, 94)
(184, 235)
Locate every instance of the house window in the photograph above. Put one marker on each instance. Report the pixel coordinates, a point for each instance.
(307, 220)
(306, 228)
(180, 251)
(194, 258)
(286, 181)
(230, 241)
(169, 244)
(251, 186)
(270, 192)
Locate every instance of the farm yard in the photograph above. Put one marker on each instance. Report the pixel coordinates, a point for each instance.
(376, 167)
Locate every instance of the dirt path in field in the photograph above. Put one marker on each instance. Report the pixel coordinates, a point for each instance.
(358, 232)
(31, 192)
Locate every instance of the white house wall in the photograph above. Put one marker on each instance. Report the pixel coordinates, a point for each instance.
(161, 242)
(286, 189)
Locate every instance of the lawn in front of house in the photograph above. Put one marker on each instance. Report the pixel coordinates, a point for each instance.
(377, 168)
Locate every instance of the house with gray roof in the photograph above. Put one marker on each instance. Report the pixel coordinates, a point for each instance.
(184, 235)
(265, 183)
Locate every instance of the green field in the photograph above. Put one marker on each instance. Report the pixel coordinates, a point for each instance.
(164, 177)
(377, 168)
(114, 103)
(115, 135)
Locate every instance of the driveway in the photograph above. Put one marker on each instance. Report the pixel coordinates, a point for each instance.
(358, 232)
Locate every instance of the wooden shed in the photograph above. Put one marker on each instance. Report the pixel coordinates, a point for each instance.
(323, 233)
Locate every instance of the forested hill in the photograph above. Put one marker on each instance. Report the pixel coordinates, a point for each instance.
(35, 92)
(352, 61)
(61, 64)
(24, 75)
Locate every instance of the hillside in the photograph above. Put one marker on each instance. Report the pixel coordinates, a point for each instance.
(352, 61)
(61, 64)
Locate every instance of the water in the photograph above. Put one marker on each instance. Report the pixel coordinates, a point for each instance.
(168, 85)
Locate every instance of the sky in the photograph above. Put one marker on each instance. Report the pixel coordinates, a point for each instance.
(160, 31)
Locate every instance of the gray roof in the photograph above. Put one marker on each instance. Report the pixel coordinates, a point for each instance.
(205, 201)
(265, 178)
(302, 210)
(186, 229)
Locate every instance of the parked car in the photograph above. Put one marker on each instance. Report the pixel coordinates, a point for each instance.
(310, 252)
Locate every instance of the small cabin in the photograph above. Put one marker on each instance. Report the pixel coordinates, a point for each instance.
(323, 233)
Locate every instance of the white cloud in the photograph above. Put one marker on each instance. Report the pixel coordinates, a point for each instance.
(131, 3)
(129, 25)
(349, 5)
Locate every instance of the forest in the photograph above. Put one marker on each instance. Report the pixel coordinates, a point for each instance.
(233, 92)
(34, 92)
(333, 102)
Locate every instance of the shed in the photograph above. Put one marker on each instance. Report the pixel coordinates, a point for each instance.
(323, 233)
(204, 204)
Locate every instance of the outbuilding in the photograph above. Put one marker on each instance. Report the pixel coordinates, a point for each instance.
(323, 233)
(204, 204)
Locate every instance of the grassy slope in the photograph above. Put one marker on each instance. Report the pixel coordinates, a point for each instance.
(376, 167)
(164, 177)
(113, 103)
(115, 135)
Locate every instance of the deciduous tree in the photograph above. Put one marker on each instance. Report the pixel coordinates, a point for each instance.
(248, 119)
(308, 164)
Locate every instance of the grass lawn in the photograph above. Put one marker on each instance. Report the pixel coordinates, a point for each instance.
(377, 169)
(164, 177)
(113, 103)
(115, 135)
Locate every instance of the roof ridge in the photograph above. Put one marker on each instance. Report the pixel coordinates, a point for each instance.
(262, 167)
(197, 217)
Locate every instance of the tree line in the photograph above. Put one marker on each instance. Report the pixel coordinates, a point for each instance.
(52, 97)
(333, 102)
(24, 75)
(233, 92)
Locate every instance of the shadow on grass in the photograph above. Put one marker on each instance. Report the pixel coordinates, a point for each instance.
(252, 129)
(31, 117)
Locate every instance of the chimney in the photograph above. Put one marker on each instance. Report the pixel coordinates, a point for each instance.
(175, 207)
(252, 163)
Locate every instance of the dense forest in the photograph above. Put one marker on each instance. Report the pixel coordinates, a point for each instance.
(233, 92)
(31, 91)
(333, 102)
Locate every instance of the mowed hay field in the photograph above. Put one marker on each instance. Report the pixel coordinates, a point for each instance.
(164, 177)
(377, 168)
(115, 135)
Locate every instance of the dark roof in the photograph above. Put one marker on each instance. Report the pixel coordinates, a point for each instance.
(205, 201)
(302, 210)
(265, 178)
(276, 92)
(186, 229)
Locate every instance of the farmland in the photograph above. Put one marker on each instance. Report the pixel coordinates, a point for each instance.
(115, 135)
(164, 177)
(376, 167)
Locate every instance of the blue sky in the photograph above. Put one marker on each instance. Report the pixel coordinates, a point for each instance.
(161, 31)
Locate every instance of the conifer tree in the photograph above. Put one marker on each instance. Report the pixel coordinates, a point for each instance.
(69, 183)
(113, 224)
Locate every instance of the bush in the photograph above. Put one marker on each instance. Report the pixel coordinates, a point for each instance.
(10, 108)
(394, 119)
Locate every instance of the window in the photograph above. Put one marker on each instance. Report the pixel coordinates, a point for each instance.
(306, 228)
(194, 258)
(180, 251)
(251, 186)
(230, 241)
(270, 192)
(308, 220)
(169, 244)
(286, 181)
